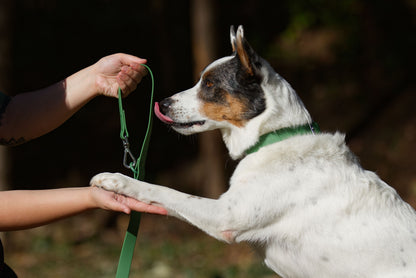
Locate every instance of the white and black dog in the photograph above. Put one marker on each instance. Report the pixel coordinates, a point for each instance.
(298, 196)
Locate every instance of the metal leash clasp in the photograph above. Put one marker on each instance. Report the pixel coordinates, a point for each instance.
(128, 155)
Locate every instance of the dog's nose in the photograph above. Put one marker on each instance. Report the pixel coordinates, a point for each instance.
(165, 104)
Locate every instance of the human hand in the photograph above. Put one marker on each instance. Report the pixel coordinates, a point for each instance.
(112, 201)
(118, 70)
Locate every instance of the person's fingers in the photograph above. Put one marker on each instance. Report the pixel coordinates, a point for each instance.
(119, 70)
(131, 75)
(119, 203)
(128, 59)
(125, 85)
(154, 209)
(139, 69)
(143, 207)
(128, 78)
(109, 200)
(120, 207)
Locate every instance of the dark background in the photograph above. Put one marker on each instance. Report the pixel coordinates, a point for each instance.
(351, 62)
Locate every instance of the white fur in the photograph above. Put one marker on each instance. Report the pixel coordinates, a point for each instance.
(304, 203)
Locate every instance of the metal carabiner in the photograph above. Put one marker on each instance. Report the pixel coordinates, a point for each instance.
(127, 154)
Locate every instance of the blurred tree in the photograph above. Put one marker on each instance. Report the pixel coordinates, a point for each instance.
(204, 45)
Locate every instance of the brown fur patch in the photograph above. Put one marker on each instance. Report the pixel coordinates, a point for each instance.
(231, 111)
(243, 55)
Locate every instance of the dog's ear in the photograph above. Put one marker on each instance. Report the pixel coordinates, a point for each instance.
(232, 38)
(245, 53)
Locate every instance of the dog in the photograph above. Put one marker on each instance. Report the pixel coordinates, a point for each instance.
(298, 196)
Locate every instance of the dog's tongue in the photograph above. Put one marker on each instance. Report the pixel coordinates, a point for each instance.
(162, 117)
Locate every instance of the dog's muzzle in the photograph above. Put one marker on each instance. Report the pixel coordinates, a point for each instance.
(162, 108)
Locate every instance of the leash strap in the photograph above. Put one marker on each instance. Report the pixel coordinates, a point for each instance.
(137, 167)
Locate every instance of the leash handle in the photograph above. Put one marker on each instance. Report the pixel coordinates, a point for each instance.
(145, 146)
(137, 167)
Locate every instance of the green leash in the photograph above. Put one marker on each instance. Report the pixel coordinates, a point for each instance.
(137, 166)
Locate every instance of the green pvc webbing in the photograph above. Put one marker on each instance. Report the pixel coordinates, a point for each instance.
(282, 134)
(127, 251)
(123, 126)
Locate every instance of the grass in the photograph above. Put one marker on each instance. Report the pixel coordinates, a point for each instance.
(166, 248)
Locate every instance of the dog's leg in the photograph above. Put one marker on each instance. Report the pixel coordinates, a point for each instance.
(211, 216)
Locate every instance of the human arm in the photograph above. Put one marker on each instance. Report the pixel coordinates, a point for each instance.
(23, 209)
(30, 115)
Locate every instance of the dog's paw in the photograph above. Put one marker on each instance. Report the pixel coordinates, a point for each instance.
(113, 182)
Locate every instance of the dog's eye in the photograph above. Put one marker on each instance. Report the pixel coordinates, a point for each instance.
(208, 83)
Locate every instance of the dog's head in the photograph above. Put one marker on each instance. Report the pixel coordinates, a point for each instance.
(240, 94)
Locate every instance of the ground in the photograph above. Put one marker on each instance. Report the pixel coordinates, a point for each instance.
(166, 247)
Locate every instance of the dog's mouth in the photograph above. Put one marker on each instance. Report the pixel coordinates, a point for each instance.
(171, 122)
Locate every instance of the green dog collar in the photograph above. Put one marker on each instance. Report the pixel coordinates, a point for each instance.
(282, 134)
